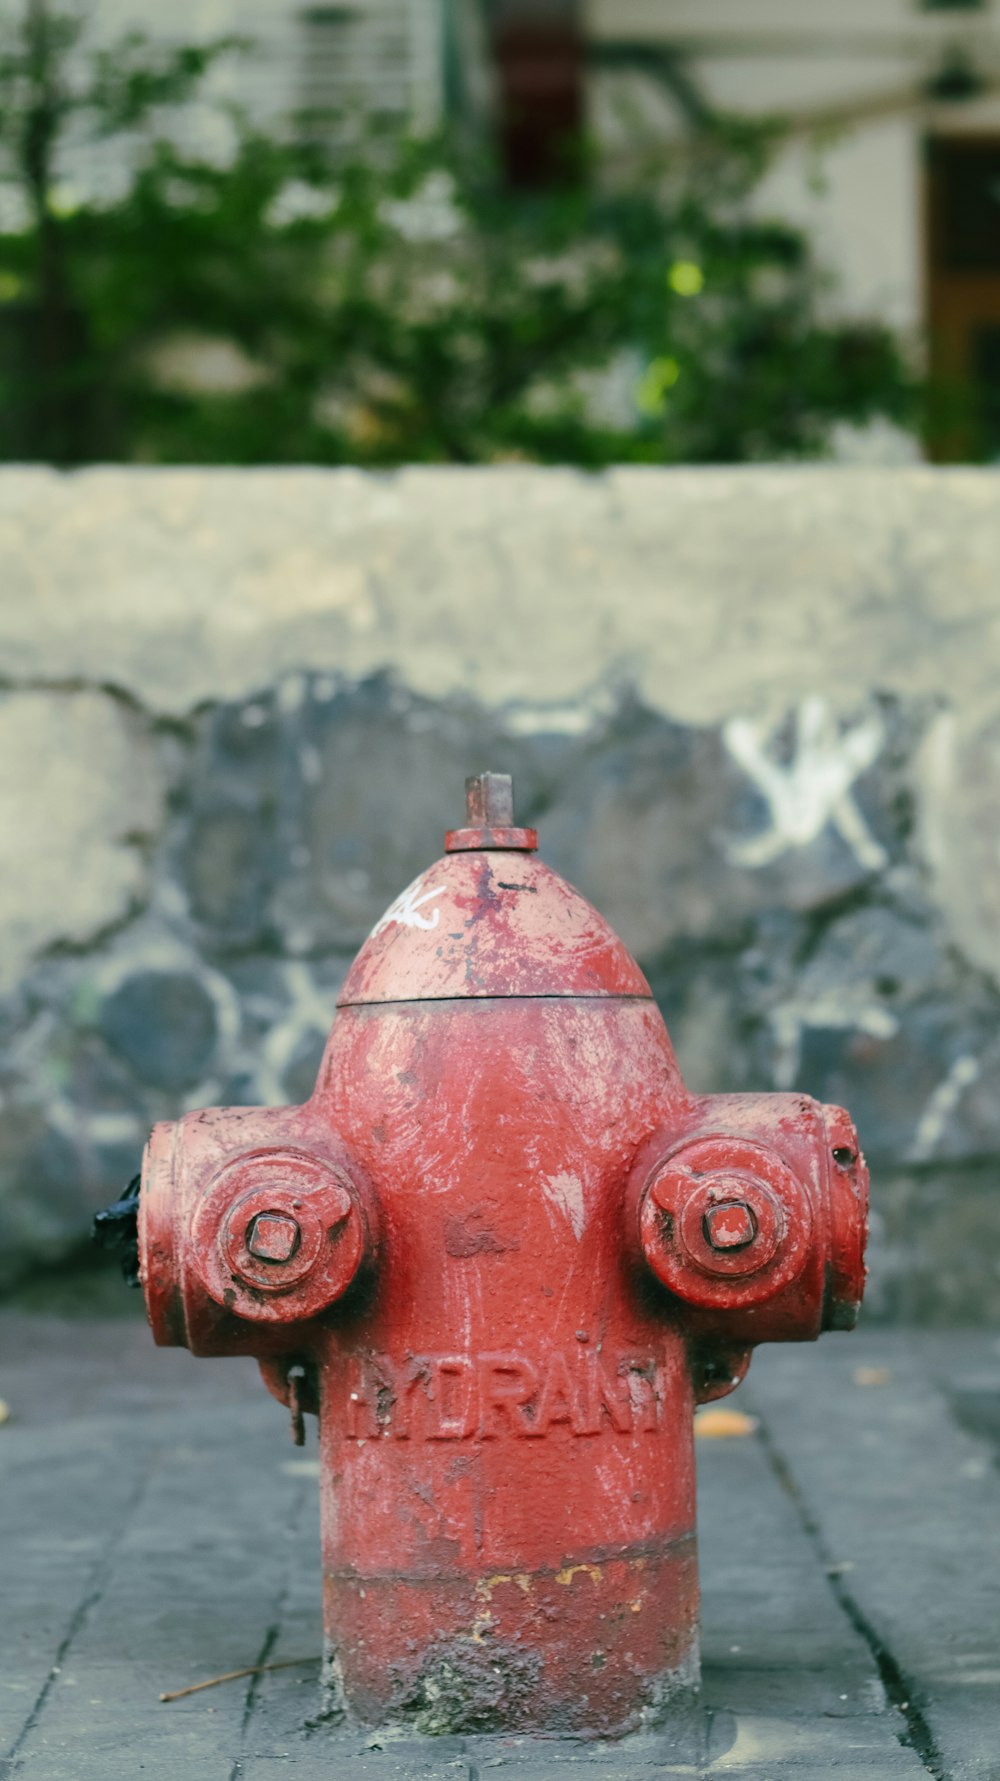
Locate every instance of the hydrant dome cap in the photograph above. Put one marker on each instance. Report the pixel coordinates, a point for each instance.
(490, 924)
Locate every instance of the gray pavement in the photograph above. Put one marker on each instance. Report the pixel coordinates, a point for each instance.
(157, 1528)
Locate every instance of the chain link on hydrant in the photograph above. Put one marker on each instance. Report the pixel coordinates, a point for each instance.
(502, 1253)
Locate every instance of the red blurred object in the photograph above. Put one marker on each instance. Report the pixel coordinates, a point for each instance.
(538, 51)
(503, 1252)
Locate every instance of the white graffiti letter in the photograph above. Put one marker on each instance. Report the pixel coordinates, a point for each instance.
(406, 909)
(814, 789)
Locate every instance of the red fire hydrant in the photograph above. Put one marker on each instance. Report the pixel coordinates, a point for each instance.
(503, 1253)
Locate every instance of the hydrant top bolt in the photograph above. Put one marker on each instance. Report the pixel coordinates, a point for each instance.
(489, 818)
(273, 1237)
(730, 1226)
(489, 801)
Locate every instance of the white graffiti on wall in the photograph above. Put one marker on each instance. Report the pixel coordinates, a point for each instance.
(940, 1107)
(307, 1016)
(848, 1010)
(811, 790)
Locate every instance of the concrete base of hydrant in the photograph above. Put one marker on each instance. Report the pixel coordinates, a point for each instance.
(160, 1531)
(472, 1688)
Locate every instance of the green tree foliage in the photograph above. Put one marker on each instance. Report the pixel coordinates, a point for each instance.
(392, 303)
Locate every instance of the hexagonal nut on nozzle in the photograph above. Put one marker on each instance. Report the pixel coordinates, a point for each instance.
(730, 1225)
(279, 1236)
(273, 1236)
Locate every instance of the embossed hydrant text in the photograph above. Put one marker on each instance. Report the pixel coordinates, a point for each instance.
(457, 1397)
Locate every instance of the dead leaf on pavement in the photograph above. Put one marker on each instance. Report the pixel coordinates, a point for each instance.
(872, 1375)
(723, 1425)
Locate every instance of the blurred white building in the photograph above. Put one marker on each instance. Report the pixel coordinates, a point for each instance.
(893, 164)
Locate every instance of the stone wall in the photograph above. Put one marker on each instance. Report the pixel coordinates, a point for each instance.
(755, 715)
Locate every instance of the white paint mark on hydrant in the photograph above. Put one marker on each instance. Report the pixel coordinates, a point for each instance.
(566, 1192)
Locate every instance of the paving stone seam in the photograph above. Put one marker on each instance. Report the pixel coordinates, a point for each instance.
(902, 1693)
(273, 1631)
(88, 1601)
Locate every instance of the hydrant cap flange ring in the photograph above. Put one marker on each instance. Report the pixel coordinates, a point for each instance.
(491, 841)
(722, 1172)
(286, 1186)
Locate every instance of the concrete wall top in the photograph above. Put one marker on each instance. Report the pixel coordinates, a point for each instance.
(709, 591)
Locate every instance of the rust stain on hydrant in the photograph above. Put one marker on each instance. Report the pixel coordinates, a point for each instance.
(502, 1253)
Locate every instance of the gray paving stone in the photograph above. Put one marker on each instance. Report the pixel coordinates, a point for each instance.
(678, 1748)
(758, 1744)
(773, 1748)
(190, 1589)
(58, 1529)
(768, 1612)
(319, 1765)
(908, 1504)
(607, 1766)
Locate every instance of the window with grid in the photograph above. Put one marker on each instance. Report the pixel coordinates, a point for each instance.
(379, 60)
